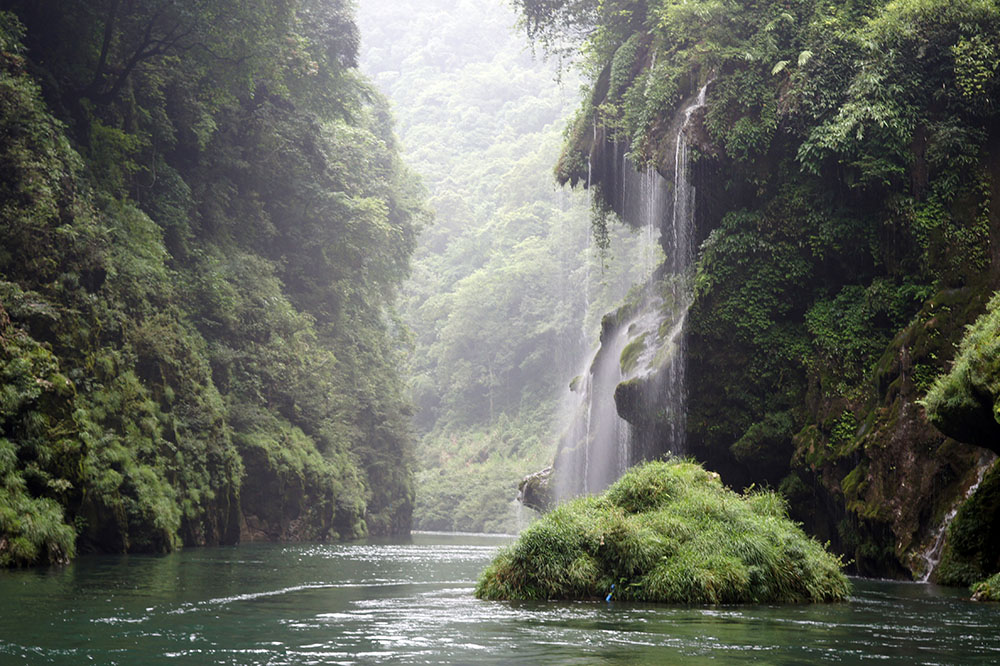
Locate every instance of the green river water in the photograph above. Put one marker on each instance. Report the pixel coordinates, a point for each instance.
(410, 602)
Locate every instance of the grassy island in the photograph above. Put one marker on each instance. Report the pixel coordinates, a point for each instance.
(667, 532)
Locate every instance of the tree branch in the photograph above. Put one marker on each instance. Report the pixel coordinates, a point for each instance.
(149, 47)
(102, 60)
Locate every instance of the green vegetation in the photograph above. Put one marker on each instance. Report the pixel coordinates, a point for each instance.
(631, 353)
(506, 293)
(987, 590)
(965, 402)
(667, 532)
(972, 547)
(846, 173)
(203, 223)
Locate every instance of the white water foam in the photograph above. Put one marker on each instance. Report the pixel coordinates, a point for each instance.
(932, 556)
(598, 446)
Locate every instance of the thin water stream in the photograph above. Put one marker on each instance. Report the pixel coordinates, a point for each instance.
(410, 602)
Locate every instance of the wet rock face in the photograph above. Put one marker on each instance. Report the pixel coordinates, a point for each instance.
(809, 368)
(972, 548)
(536, 491)
(965, 402)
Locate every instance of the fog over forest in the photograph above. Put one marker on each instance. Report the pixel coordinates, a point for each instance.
(507, 291)
(492, 331)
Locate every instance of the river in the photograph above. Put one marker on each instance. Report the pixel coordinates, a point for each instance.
(410, 602)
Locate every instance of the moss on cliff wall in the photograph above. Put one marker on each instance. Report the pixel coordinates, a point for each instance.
(199, 245)
(965, 402)
(972, 546)
(847, 199)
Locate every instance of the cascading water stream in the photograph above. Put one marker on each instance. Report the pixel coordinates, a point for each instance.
(681, 257)
(932, 556)
(648, 346)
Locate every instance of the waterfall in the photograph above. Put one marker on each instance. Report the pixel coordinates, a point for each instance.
(932, 556)
(644, 348)
(520, 520)
(681, 256)
(681, 251)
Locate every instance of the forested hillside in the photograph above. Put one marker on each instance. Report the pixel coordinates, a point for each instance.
(204, 221)
(506, 294)
(847, 169)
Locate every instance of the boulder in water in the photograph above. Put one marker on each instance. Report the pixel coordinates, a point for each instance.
(535, 490)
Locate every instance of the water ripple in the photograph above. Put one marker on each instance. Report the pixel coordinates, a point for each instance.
(412, 603)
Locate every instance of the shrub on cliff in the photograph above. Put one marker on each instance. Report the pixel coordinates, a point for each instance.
(667, 532)
(987, 590)
(965, 402)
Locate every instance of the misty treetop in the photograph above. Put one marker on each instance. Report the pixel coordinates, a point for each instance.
(205, 224)
(506, 294)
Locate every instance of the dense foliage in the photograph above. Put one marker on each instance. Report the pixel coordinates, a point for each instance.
(973, 539)
(965, 402)
(204, 221)
(987, 590)
(848, 179)
(667, 532)
(506, 295)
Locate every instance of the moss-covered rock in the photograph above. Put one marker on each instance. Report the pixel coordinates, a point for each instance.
(631, 353)
(874, 453)
(667, 532)
(987, 590)
(536, 490)
(972, 546)
(965, 402)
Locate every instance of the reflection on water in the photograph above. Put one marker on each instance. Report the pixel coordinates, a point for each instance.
(409, 603)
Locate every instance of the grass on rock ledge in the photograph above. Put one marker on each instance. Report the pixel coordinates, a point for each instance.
(987, 590)
(668, 532)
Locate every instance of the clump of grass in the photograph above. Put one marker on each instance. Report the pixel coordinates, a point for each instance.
(32, 529)
(987, 590)
(667, 532)
(630, 355)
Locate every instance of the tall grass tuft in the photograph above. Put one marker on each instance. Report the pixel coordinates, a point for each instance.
(668, 532)
(987, 590)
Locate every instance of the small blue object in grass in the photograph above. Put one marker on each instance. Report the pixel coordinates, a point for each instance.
(608, 598)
